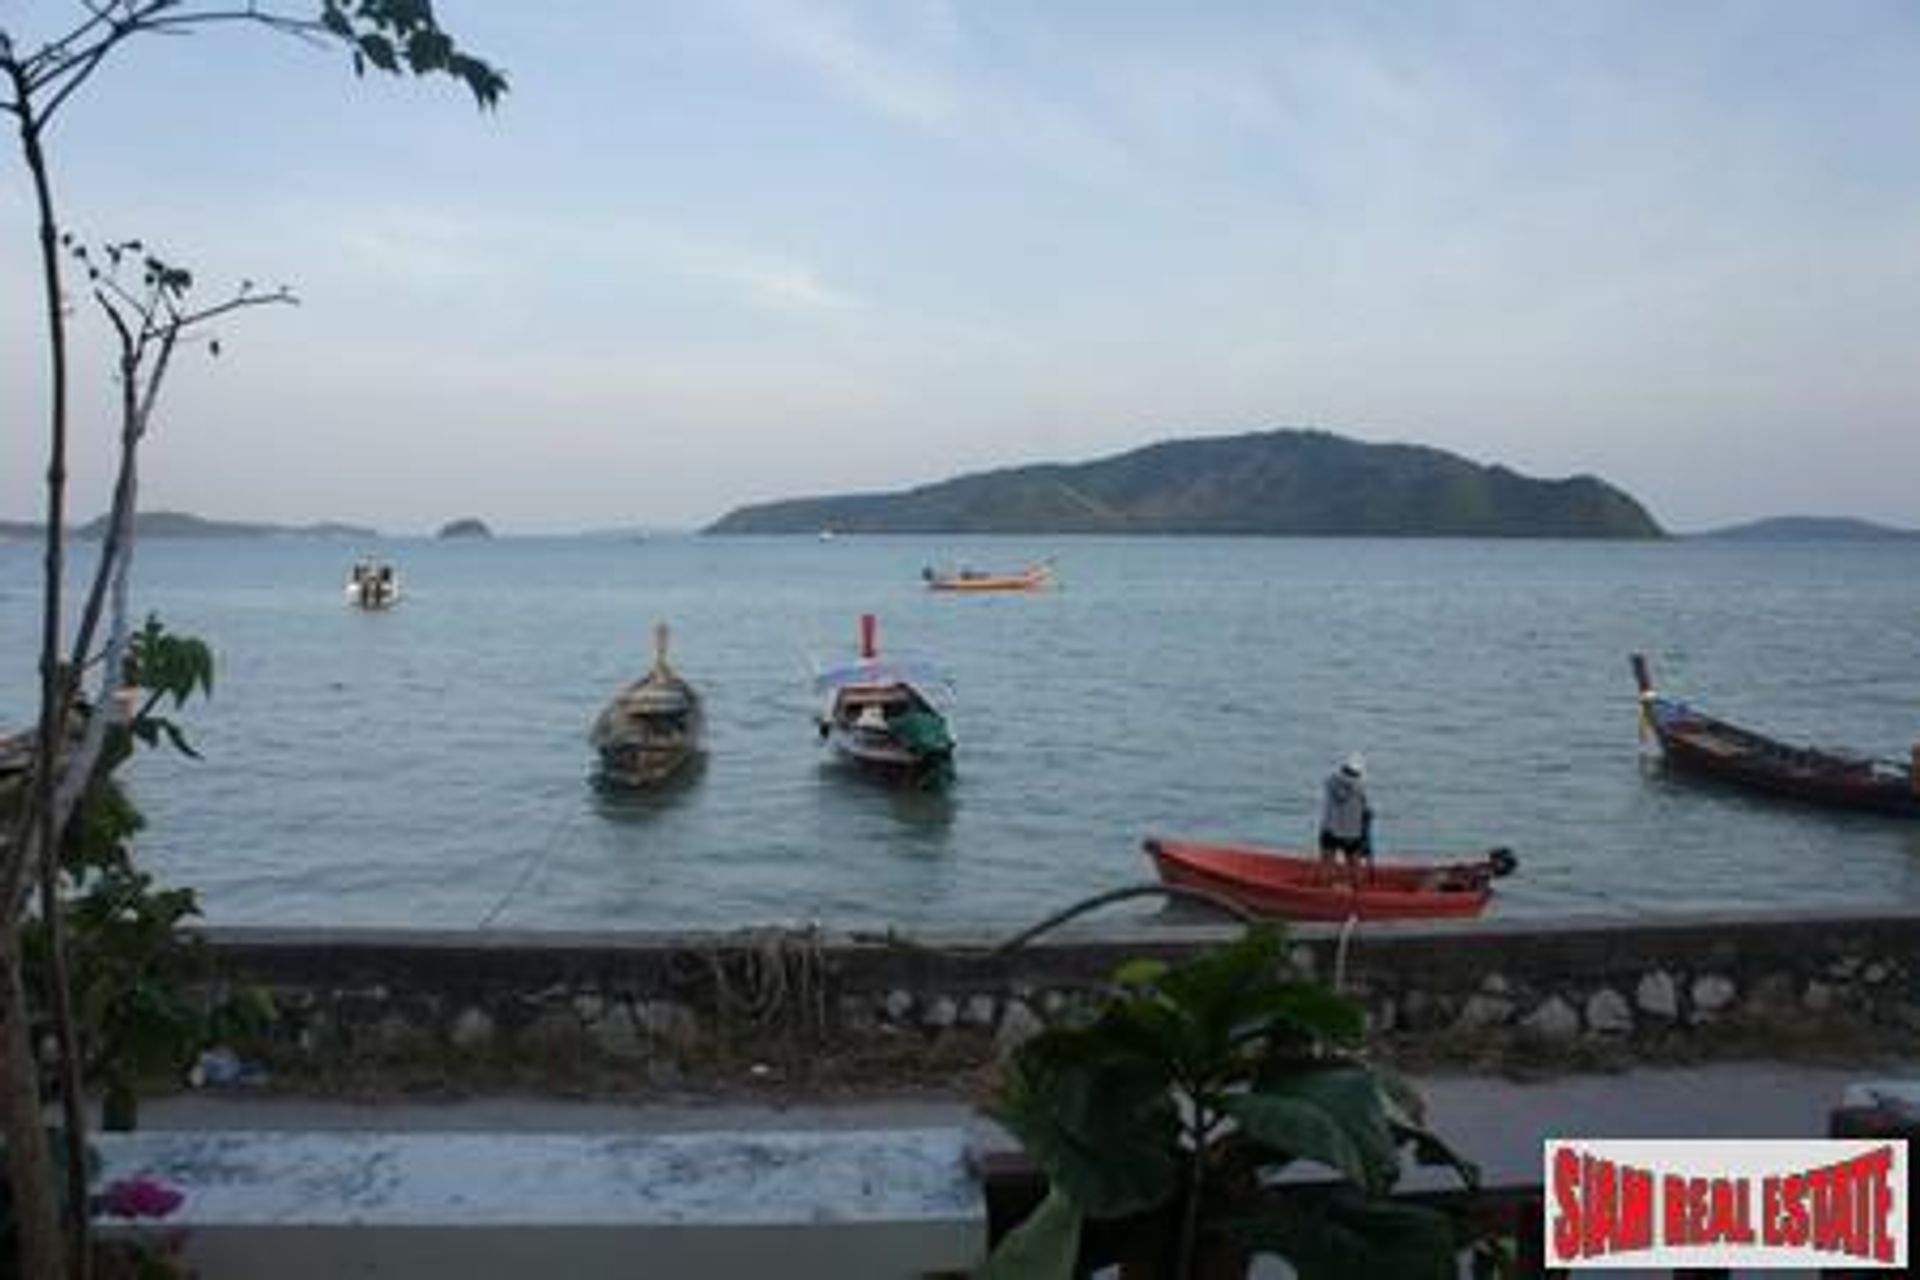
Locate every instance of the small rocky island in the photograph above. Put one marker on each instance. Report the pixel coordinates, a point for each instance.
(467, 527)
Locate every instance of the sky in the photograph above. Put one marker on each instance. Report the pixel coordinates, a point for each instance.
(718, 253)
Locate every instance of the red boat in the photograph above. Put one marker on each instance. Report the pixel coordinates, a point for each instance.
(1300, 886)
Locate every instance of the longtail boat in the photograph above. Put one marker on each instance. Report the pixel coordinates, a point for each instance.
(651, 731)
(878, 715)
(1697, 743)
(1296, 885)
(1035, 577)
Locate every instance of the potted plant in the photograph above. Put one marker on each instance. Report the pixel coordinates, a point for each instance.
(1176, 1117)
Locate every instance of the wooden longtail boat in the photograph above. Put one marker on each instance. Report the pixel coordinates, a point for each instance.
(1296, 885)
(878, 716)
(1697, 743)
(651, 731)
(1035, 577)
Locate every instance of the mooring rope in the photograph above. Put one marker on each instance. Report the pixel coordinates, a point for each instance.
(1340, 953)
(534, 863)
(780, 981)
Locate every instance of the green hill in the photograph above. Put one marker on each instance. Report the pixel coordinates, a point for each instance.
(1274, 482)
(180, 524)
(1811, 529)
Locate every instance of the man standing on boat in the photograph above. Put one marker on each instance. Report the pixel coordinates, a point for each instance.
(1346, 819)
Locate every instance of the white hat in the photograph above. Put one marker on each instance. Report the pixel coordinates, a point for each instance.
(1355, 764)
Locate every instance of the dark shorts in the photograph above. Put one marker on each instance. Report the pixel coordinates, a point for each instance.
(1354, 847)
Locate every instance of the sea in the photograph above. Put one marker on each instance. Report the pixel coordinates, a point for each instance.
(428, 766)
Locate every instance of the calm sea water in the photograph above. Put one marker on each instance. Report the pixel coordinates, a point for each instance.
(429, 766)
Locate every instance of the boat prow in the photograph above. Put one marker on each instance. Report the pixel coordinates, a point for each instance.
(652, 730)
(1294, 885)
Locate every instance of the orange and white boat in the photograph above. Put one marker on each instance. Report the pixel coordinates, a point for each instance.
(1035, 577)
(1295, 885)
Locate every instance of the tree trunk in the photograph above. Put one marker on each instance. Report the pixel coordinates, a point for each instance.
(36, 1207)
(119, 1107)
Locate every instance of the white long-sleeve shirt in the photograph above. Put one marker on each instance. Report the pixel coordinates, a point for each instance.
(1344, 813)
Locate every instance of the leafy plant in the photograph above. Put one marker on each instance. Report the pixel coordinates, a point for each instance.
(38, 79)
(1173, 1112)
(130, 964)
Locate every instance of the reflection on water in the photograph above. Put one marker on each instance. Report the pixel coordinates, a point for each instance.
(415, 766)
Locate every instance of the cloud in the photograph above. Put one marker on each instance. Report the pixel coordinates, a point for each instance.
(918, 66)
(910, 90)
(524, 254)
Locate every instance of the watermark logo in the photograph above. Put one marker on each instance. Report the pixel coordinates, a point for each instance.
(1825, 1202)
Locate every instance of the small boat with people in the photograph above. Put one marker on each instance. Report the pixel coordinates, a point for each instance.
(373, 584)
(651, 732)
(1035, 577)
(878, 715)
(1693, 742)
(1296, 885)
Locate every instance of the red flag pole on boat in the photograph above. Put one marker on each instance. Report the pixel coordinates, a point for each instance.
(866, 635)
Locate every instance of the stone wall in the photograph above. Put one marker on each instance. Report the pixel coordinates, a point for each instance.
(674, 1011)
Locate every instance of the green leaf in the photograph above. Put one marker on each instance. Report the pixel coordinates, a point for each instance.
(1213, 990)
(428, 50)
(1332, 1236)
(1430, 1150)
(1100, 1121)
(1044, 1247)
(1404, 1103)
(1140, 972)
(379, 51)
(1303, 1011)
(1406, 1114)
(178, 739)
(1333, 1117)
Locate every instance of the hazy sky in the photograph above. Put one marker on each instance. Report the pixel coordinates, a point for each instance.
(713, 253)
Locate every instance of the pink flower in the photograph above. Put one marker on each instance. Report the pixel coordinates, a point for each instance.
(139, 1198)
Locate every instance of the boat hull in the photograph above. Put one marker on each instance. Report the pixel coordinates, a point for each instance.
(884, 757)
(643, 770)
(649, 735)
(1699, 744)
(1705, 747)
(1294, 885)
(1035, 579)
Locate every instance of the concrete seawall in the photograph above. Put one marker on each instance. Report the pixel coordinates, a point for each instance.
(672, 1010)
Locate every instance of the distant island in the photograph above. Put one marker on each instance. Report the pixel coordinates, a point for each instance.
(1811, 529)
(1286, 482)
(179, 524)
(464, 528)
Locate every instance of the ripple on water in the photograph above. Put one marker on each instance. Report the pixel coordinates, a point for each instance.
(420, 766)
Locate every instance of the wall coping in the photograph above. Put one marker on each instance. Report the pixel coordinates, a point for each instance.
(962, 942)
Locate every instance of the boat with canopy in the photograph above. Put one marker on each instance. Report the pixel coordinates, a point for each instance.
(878, 715)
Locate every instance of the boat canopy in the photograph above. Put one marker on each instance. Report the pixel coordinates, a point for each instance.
(879, 671)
